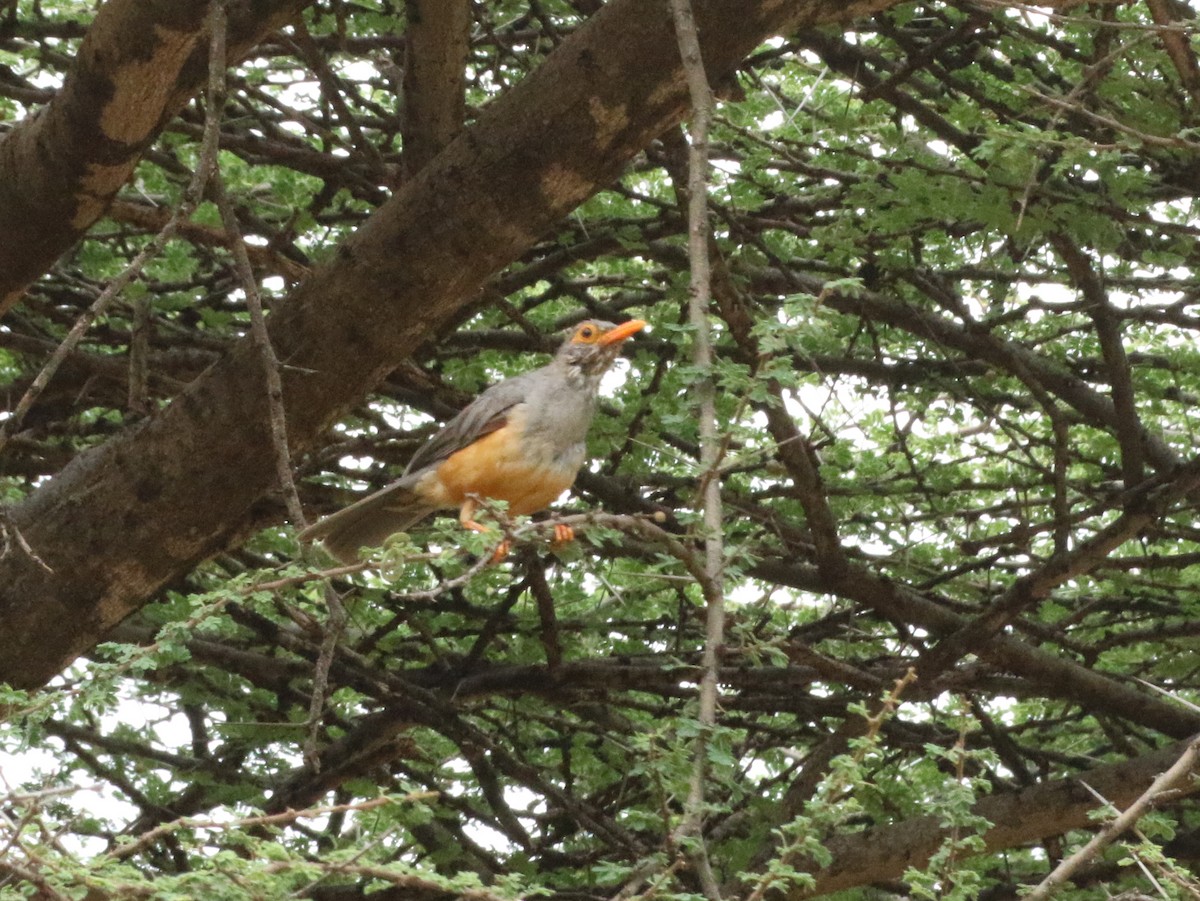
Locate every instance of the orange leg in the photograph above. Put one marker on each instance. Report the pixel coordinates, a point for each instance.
(466, 518)
(563, 534)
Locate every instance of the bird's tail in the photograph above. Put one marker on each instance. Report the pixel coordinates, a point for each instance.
(369, 521)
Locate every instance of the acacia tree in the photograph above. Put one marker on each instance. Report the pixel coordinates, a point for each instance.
(952, 313)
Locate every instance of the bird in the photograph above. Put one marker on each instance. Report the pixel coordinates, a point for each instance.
(523, 441)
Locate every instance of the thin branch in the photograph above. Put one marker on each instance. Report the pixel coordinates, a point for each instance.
(33, 876)
(1150, 140)
(700, 290)
(405, 882)
(1143, 506)
(838, 781)
(1179, 771)
(1175, 42)
(1090, 285)
(146, 839)
(152, 218)
(139, 354)
(335, 623)
(10, 535)
(258, 329)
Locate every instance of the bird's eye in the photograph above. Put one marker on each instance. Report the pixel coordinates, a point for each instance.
(586, 333)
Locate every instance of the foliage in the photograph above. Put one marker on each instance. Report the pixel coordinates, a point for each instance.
(956, 248)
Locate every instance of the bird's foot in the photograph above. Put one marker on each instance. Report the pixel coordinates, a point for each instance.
(502, 548)
(563, 534)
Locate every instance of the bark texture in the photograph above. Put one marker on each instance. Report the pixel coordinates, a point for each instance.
(61, 167)
(434, 80)
(120, 522)
(1017, 818)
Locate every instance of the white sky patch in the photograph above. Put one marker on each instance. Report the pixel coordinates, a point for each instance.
(744, 594)
(486, 837)
(47, 80)
(399, 417)
(358, 70)
(615, 377)
(728, 167)
(772, 120)
(1034, 18)
(825, 400)
(357, 464)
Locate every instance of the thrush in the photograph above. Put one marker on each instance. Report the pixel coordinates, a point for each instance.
(521, 441)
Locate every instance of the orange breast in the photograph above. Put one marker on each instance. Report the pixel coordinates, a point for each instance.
(495, 467)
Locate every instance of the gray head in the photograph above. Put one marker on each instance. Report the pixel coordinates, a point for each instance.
(591, 347)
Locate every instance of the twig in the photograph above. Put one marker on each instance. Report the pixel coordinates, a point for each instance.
(9, 533)
(700, 94)
(409, 885)
(33, 877)
(887, 708)
(152, 218)
(139, 356)
(335, 622)
(1145, 137)
(313, 576)
(839, 781)
(333, 89)
(1179, 771)
(651, 870)
(335, 627)
(122, 852)
(262, 340)
(1046, 11)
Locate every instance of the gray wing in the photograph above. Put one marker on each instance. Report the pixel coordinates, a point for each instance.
(482, 416)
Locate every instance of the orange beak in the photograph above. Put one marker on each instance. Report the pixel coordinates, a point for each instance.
(621, 332)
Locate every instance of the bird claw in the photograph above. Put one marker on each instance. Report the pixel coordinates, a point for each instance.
(502, 548)
(563, 534)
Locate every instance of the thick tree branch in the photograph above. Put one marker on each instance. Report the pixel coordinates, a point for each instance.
(1017, 818)
(1174, 782)
(1175, 42)
(434, 77)
(192, 196)
(1090, 284)
(59, 169)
